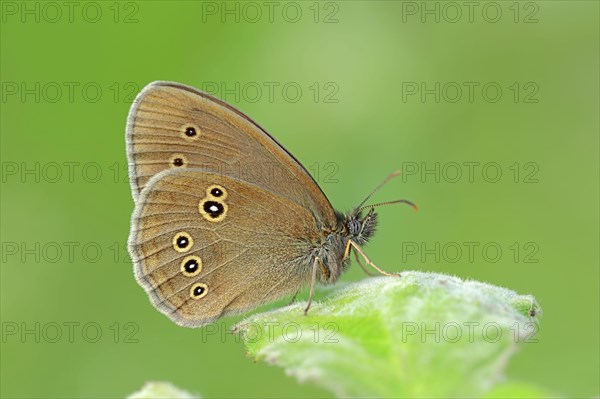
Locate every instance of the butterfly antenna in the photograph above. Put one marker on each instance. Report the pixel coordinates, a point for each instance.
(401, 201)
(383, 183)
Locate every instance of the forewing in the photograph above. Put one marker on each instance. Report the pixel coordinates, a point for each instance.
(172, 126)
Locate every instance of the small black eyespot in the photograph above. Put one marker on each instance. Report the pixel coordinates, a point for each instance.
(532, 312)
(216, 192)
(213, 208)
(199, 290)
(191, 266)
(178, 162)
(190, 132)
(182, 242)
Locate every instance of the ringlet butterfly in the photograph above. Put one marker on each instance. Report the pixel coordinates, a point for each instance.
(225, 218)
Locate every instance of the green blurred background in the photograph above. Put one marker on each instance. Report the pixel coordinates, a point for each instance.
(352, 124)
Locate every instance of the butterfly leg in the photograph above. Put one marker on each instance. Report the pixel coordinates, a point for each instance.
(361, 264)
(347, 250)
(347, 253)
(294, 298)
(369, 262)
(313, 281)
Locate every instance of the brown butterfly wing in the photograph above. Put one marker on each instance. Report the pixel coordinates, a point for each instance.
(173, 126)
(256, 251)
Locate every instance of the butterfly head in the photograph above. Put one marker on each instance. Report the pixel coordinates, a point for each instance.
(360, 228)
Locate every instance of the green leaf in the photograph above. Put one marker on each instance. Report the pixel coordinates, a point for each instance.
(519, 390)
(161, 390)
(422, 334)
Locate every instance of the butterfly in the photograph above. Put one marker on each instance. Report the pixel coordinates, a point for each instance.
(226, 219)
